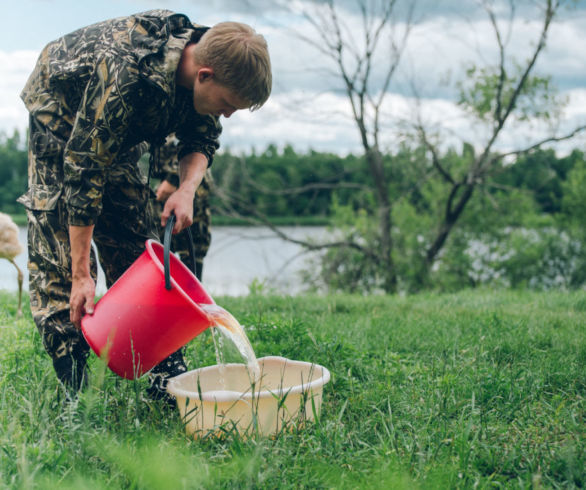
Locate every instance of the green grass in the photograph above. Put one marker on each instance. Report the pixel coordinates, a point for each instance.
(478, 389)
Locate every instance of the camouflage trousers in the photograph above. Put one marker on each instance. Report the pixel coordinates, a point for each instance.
(125, 223)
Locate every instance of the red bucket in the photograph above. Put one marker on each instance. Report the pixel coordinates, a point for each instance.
(144, 317)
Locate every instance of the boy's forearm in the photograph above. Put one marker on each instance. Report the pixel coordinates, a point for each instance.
(80, 239)
(192, 169)
(81, 299)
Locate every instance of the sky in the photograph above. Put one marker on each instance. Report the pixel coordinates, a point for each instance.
(307, 108)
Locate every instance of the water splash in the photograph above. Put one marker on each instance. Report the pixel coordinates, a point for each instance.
(226, 327)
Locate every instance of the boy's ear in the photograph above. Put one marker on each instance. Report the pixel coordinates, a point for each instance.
(205, 73)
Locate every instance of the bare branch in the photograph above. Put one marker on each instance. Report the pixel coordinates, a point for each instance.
(480, 165)
(502, 71)
(420, 128)
(307, 187)
(549, 14)
(256, 217)
(551, 139)
(434, 155)
(299, 189)
(397, 51)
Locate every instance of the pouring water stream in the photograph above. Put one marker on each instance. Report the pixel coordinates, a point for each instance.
(226, 327)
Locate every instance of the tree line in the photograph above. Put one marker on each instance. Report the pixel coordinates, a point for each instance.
(284, 183)
(525, 229)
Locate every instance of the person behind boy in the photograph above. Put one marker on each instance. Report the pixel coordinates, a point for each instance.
(93, 97)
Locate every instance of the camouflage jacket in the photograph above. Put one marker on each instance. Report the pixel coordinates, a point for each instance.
(105, 88)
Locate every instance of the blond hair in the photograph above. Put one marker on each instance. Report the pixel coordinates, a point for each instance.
(240, 60)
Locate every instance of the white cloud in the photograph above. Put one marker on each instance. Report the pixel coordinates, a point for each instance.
(439, 48)
(305, 120)
(563, 57)
(323, 122)
(306, 111)
(15, 68)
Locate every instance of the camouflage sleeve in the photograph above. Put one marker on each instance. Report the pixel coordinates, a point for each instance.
(98, 131)
(200, 135)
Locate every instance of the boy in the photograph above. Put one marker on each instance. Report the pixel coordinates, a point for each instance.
(95, 96)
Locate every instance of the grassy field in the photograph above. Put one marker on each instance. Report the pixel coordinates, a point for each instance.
(479, 389)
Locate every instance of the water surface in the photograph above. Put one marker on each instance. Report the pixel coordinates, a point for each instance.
(238, 256)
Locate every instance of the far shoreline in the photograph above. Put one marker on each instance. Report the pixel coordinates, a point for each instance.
(20, 220)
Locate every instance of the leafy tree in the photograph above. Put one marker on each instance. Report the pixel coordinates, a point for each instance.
(495, 97)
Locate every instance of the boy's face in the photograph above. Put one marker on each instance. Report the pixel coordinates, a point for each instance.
(213, 98)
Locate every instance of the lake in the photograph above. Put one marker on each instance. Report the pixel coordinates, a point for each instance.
(237, 257)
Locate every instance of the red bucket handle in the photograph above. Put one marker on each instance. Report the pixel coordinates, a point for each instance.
(167, 250)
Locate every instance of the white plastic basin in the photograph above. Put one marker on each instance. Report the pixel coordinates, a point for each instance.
(211, 399)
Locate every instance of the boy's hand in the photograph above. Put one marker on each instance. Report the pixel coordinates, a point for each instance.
(164, 190)
(81, 301)
(181, 204)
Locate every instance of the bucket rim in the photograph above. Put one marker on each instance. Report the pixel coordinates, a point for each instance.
(232, 396)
